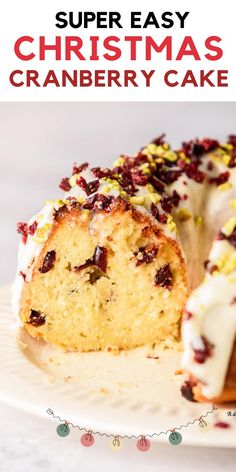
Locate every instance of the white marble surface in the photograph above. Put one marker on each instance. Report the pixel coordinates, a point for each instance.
(38, 143)
(31, 444)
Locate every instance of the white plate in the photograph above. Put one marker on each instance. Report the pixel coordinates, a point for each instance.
(124, 394)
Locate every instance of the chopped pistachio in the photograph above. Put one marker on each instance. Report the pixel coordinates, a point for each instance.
(154, 197)
(184, 214)
(233, 203)
(150, 188)
(226, 159)
(42, 233)
(136, 200)
(225, 186)
(73, 180)
(171, 224)
(227, 146)
(165, 146)
(119, 162)
(229, 226)
(170, 156)
(198, 220)
(57, 203)
(144, 166)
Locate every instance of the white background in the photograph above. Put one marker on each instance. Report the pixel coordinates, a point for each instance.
(212, 17)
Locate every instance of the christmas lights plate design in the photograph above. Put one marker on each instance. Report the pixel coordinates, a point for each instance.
(130, 393)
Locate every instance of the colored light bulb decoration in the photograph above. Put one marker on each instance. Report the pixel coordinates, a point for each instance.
(87, 439)
(116, 444)
(63, 430)
(203, 426)
(143, 444)
(175, 438)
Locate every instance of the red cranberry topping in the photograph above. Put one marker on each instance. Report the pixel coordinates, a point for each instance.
(99, 202)
(232, 140)
(169, 176)
(162, 218)
(198, 147)
(168, 202)
(231, 238)
(36, 318)
(22, 275)
(145, 255)
(233, 301)
(99, 259)
(157, 184)
(187, 391)
(48, 262)
(194, 173)
(65, 184)
(210, 165)
(210, 268)
(222, 424)
(201, 355)
(159, 140)
(77, 169)
(24, 229)
(164, 277)
(90, 187)
(140, 179)
(100, 173)
(187, 315)
(221, 179)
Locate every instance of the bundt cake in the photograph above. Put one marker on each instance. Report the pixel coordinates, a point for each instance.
(115, 263)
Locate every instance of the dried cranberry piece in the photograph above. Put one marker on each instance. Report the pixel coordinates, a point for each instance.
(194, 173)
(164, 277)
(100, 173)
(81, 182)
(168, 202)
(65, 184)
(48, 262)
(187, 391)
(210, 268)
(210, 165)
(187, 315)
(99, 202)
(157, 184)
(23, 275)
(162, 218)
(198, 147)
(221, 179)
(36, 318)
(77, 169)
(233, 301)
(88, 188)
(201, 355)
(159, 140)
(24, 229)
(145, 255)
(92, 187)
(140, 179)
(232, 140)
(99, 259)
(231, 238)
(170, 176)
